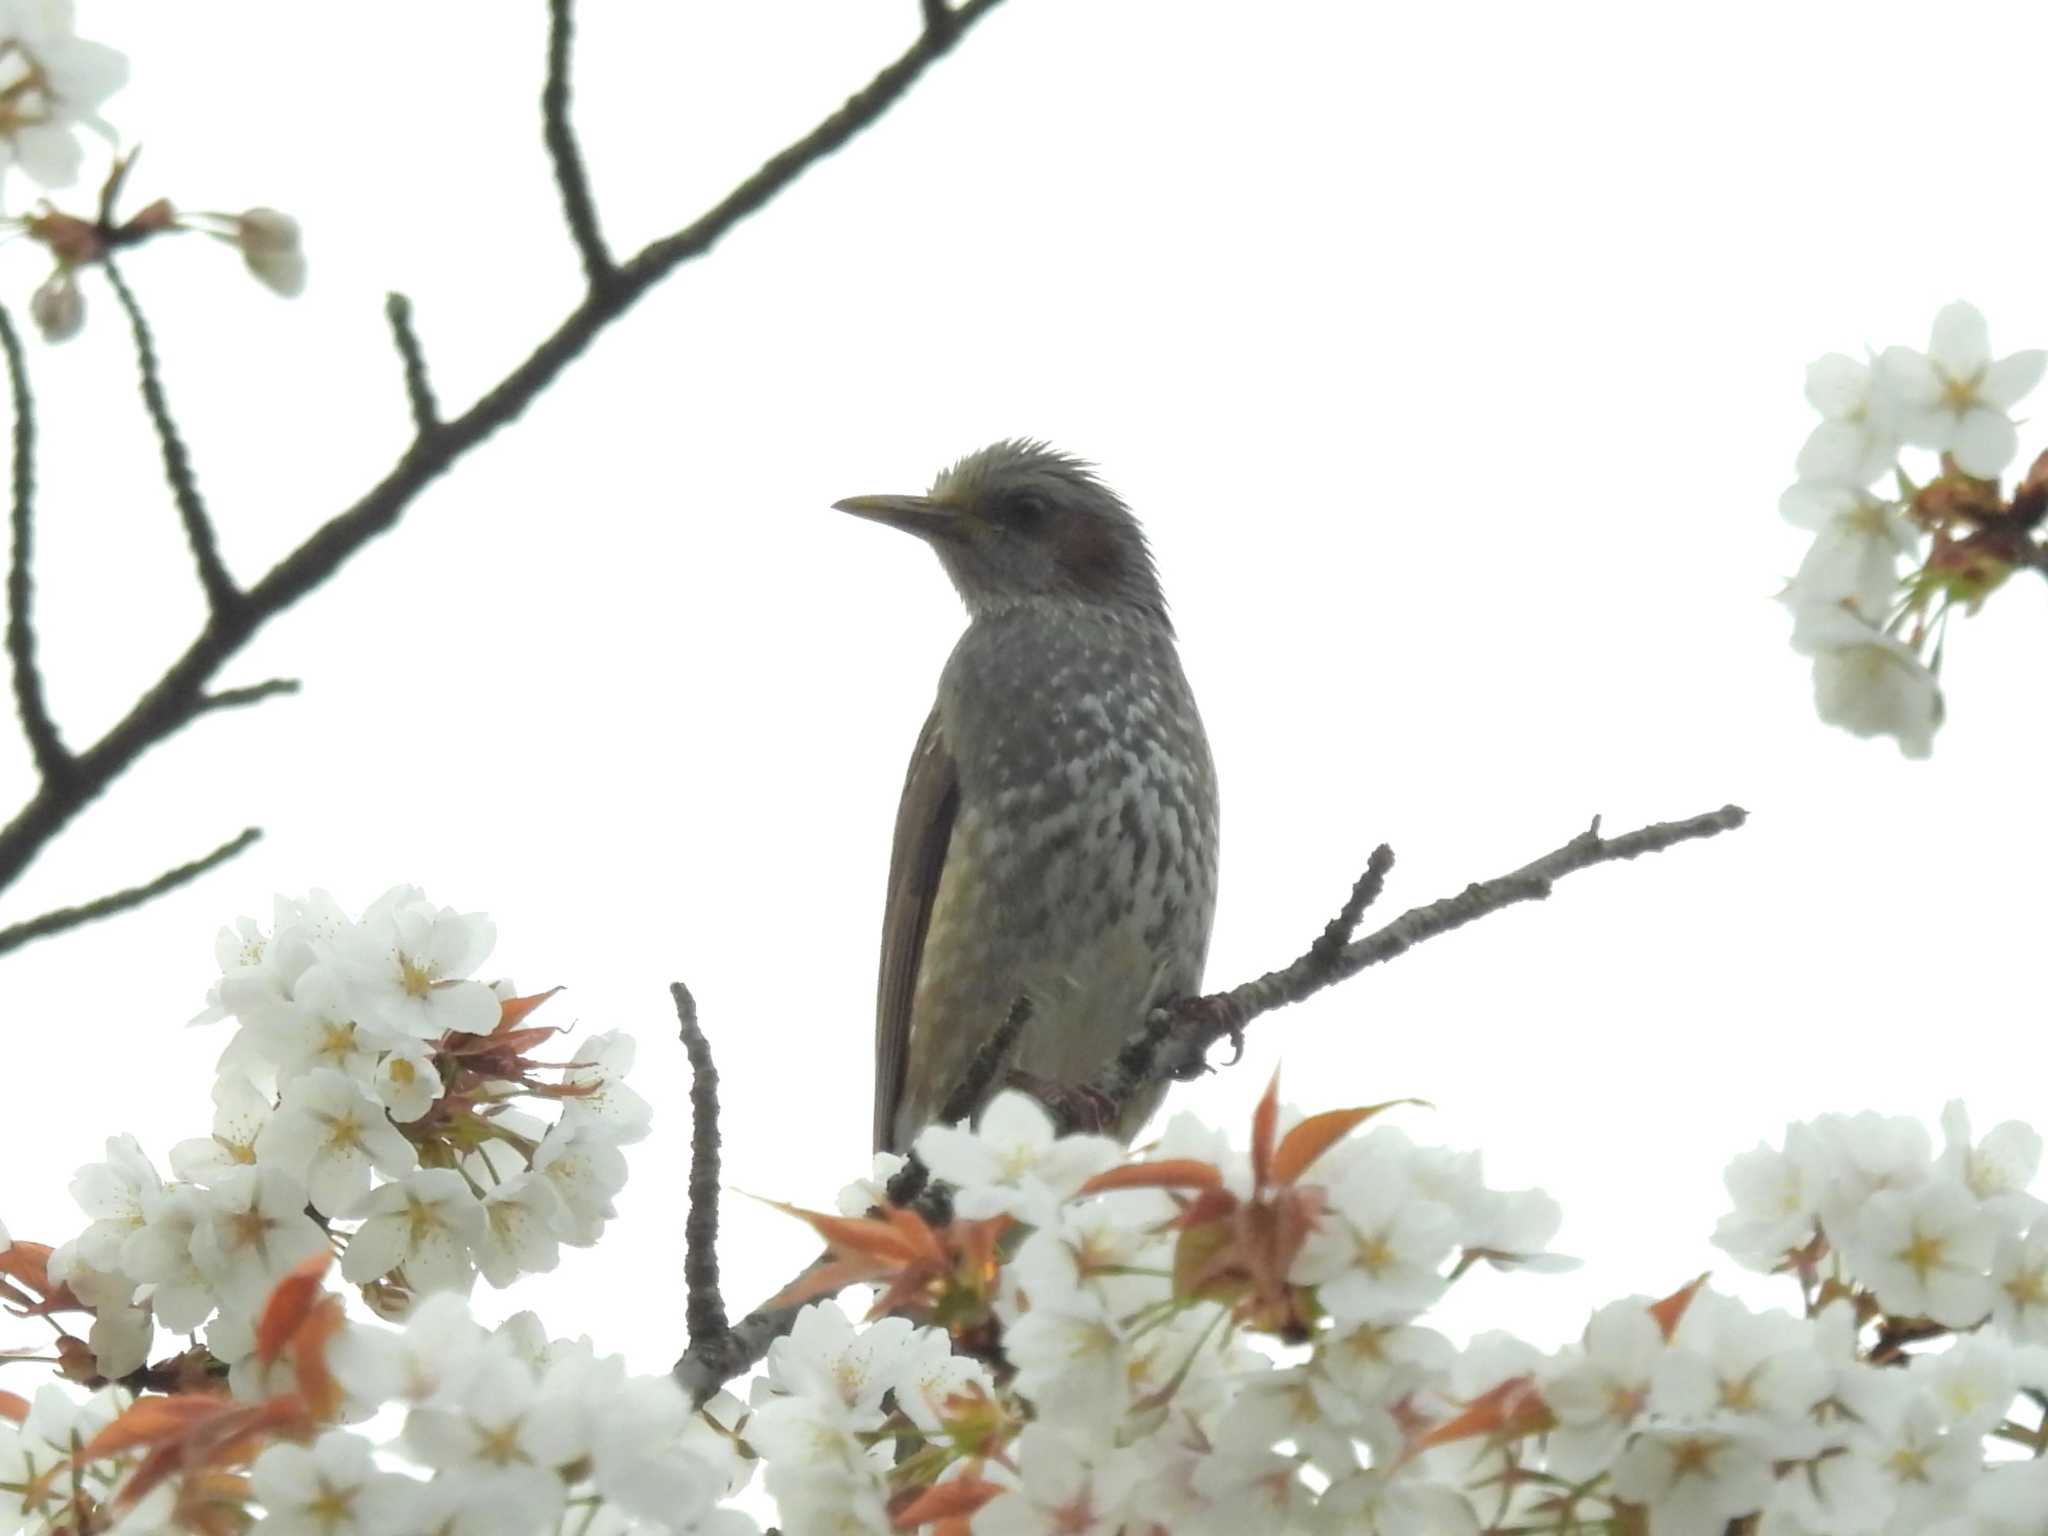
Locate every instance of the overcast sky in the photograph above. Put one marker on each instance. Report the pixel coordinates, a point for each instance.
(1452, 356)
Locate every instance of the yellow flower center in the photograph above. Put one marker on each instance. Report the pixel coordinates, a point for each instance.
(414, 978)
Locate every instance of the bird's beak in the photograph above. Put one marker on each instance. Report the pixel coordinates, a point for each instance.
(920, 515)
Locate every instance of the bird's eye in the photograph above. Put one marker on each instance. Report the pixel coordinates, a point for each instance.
(1025, 510)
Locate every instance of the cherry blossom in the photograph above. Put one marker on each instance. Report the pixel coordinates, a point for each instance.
(52, 82)
(426, 1224)
(1853, 444)
(1955, 396)
(1869, 683)
(330, 1134)
(331, 1488)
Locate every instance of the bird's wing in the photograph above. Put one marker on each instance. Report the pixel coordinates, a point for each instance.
(924, 826)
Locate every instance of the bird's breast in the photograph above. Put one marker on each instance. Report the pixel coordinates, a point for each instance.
(1082, 866)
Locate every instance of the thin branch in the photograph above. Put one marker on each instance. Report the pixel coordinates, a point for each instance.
(860, 111)
(577, 205)
(938, 15)
(1208, 1020)
(221, 591)
(53, 760)
(419, 389)
(254, 693)
(121, 901)
(986, 1065)
(704, 1307)
(1328, 949)
(1180, 1050)
(175, 699)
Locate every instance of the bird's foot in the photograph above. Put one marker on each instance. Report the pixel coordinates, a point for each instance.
(1075, 1107)
(1187, 1021)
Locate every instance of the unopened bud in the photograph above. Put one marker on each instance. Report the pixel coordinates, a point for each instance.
(58, 307)
(269, 243)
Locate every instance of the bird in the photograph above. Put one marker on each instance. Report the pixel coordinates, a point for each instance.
(1057, 834)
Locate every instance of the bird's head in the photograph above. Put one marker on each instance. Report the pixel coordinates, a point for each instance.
(1019, 520)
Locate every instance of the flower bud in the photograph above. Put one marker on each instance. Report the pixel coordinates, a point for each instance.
(269, 242)
(58, 307)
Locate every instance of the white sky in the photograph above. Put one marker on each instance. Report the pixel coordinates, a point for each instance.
(1452, 355)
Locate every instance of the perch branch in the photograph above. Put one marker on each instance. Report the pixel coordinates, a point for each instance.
(1180, 1048)
(1180, 1035)
(52, 759)
(178, 695)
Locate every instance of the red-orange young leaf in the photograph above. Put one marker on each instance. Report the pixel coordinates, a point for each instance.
(515, 1043)
(866, 1237)
(917, 1232)
(1265, 1120)
(288, 1304)
(1205, 1206)
(322, 1393)
(954, 1499)
(28, 1264)
(13, 1407)
(1511, 1410)
(1166, 1173)
(227, 1434)
(826, 1279)
(513, 1010)
(1668, 1311)
(150, 1421)
(1317, 1134)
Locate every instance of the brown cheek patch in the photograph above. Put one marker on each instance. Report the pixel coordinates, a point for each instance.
(1089, 549)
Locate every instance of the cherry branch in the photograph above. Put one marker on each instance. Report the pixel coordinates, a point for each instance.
(68, 781)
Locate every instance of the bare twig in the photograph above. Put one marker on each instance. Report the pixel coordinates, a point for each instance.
(938, 15)
(254, 693)
(177, 697)
(221, 590)
(1184, 1034)
(1328, 949)
(107, 906)
(52, 759)
(986, 1065)
(578, 208)
(419, 389)
(1180, 1050)
(704, 1307)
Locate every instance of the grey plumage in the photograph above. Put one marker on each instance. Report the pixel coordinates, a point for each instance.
(1057, 836)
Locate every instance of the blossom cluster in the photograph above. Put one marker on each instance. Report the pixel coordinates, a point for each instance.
(1875, 636)
(1199, 1339)
(1199, 1336)
(1207, 1339)
(500, 1433)
(365, 1104)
